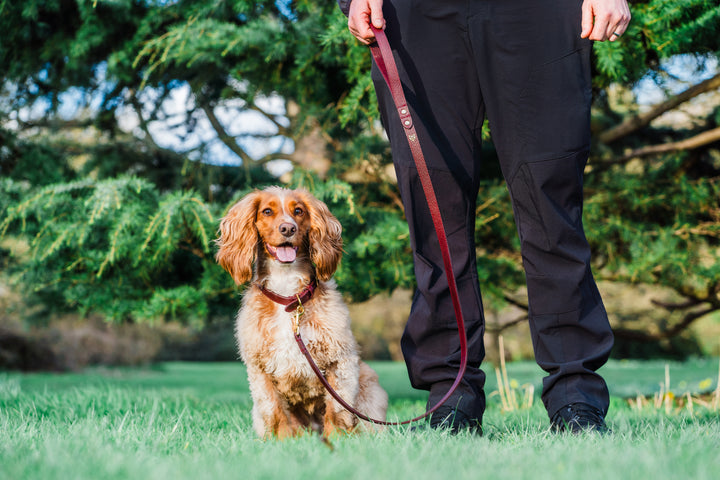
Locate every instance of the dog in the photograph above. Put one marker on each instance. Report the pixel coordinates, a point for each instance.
(290, 245)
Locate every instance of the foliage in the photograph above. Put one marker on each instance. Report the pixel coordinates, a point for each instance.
(119, 247)
(664, 222)
(659, 30)
(111, 177)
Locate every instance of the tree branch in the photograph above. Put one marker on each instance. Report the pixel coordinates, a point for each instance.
(642, 336)
(700, 140)
(514, 302)
(689, 303)
(225, 137)
(636, 122)
(693, 299)
(273, 156)
(499, 328)
(228, 139)
(282, 130)
(135, 102)
(57, 123)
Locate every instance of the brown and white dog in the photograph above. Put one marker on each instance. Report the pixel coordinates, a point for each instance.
(295, 245)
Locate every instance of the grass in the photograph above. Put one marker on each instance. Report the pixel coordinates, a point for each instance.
(191, 421)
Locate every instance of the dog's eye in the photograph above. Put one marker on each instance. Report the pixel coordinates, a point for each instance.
(299, 212)
(267, 212)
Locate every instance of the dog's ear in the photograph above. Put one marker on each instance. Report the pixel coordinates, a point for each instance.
(239, 238)
(325, 237)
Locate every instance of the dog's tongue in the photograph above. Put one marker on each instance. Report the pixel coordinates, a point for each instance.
(286, 254)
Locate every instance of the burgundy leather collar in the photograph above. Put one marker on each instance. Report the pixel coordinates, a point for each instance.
(291, 303)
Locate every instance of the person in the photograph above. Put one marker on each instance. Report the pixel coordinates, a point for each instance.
(525, 64)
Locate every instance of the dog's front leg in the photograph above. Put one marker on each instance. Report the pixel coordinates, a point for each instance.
(269, 413)
(343, 378)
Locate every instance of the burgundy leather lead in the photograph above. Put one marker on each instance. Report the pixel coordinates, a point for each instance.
(382, 54)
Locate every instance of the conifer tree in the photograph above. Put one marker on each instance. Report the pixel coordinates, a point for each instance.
(118, 221)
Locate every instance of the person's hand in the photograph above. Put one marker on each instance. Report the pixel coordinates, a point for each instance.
(604, 19)
(361, 14)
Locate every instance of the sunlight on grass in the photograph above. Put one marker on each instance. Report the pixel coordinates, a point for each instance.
(670, 403)
(192, 421)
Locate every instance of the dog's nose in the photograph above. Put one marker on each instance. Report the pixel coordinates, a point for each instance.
(287, 229)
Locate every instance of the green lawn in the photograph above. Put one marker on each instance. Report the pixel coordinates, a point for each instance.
(191, 421)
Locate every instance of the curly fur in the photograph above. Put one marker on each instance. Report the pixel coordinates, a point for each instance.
(282, 239)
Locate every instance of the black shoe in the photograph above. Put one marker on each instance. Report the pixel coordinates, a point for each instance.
(455, 421)
(578, 418)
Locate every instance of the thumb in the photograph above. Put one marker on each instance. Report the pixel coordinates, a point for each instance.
(376, 15)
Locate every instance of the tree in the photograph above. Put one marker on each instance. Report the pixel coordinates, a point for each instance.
(122, 224)
(655, 186)
(652, 209)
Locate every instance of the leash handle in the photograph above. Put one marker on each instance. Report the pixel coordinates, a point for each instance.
(382, 54)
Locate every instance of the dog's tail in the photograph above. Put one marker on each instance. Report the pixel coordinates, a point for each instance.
(372, 400)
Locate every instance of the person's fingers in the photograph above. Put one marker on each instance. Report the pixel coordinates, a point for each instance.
(614, 34)
(362, 14)
(358, 26)
(604, 20)
(587, 20)
(621, 21)
(361, 33)
(601, 24)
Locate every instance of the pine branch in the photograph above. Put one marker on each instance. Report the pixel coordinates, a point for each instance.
(636, 122)
(189, 247)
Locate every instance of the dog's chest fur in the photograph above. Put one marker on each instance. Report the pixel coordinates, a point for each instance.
(266, 339)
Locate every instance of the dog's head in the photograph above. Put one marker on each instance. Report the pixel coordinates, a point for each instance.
(285, 226)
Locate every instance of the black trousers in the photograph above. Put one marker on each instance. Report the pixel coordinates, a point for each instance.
(522, 64)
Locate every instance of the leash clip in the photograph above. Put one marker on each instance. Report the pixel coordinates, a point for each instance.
(299, 311)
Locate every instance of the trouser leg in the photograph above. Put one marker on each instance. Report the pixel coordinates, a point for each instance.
(524, 62)
(534, 71)
(431, 49)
